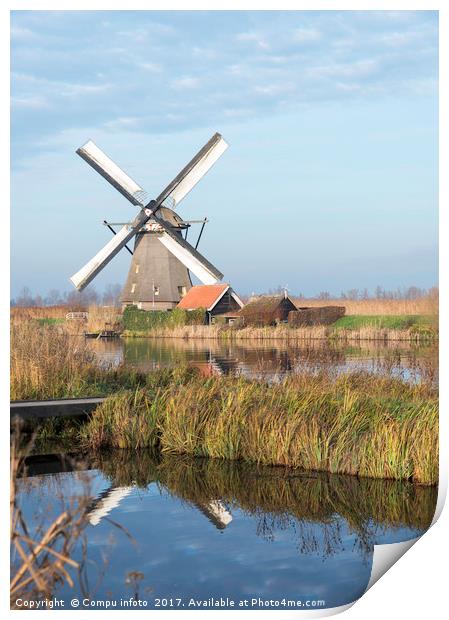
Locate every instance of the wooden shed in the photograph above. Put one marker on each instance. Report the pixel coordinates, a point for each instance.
(267, 310)
(218, 300)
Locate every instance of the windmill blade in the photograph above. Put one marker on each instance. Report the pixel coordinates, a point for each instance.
(194, 171)
(192, 259)
(107, 501)
(87, 273)
(100, 162)
(186, 253)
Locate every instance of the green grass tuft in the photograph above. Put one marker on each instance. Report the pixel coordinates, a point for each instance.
(356, 424)
(382, 321)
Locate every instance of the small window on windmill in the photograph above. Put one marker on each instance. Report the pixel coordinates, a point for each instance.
(137, 268)
(182, 291)
(133, 288)
(156, 290)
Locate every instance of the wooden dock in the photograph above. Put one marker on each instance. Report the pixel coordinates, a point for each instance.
(105, 333)
(63, 407)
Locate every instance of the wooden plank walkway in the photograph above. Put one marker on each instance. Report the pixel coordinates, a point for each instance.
(63, 407)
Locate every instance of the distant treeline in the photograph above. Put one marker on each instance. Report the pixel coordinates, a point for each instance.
(111, 296)
(357, 294)
(73, 299)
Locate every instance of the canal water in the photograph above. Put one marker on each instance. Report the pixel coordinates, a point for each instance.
(270, 360)
(178, 532)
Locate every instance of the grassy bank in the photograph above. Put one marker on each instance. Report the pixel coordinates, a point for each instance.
(348, 329)
(354, 424)
(385, 321)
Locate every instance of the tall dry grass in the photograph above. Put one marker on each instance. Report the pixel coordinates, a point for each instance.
(101, 318)
(287, 334)
(19, 313)
(427, 305)
(41, 553)
(355, 424)
(47, 362)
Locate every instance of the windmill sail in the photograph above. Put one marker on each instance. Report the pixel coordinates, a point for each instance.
(191, 258)
(194, 171)
(172, 194)
(87, 273)
(109, 170)
(187, 254)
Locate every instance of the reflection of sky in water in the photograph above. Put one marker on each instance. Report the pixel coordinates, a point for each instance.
(264, 360)
(183, 554)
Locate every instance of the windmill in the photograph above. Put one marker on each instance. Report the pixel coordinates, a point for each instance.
(162, 260)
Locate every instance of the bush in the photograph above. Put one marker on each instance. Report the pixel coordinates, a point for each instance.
(136, 320)
(325, 315)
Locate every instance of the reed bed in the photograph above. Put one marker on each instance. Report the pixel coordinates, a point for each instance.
(19, 313)
(371, 333)
(42, 544)
(356, 423)
(47, 362)
(426, 305)
(353, 424)
(102, 318)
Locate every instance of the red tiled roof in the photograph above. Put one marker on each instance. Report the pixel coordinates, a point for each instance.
(205, 296)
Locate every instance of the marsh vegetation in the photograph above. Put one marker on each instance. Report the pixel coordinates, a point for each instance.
(355, 423)
(351, 421)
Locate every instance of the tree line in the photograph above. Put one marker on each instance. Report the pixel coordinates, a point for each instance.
(88, 297)
(356, 294)
(111, 296)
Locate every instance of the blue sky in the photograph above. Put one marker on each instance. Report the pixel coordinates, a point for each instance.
(330, 181)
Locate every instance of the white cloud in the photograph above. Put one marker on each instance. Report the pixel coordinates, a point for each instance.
(204, 53)
(237, 69)
(20, 33)
(359, 68)
(174, 117)
(275, 89)
(152, 67)
(150, 30)
(76, 90)
(186, 82)
(32, 102)
(238, 112)
(253, 37)
(304, 35)
(252, 64)
(347, 88)
(123, 122)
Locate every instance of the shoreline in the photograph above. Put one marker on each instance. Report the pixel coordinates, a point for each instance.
(423, 335)
(354, 424)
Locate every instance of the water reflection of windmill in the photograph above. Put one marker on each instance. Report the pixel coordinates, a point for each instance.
(216, 512)
(108, 500)
(162, 261)
(105, 502)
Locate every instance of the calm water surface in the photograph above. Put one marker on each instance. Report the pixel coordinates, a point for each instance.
(184, 528)
(268, 360)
